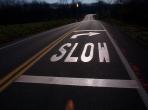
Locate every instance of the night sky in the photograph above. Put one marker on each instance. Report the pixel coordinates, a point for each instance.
(84, 1)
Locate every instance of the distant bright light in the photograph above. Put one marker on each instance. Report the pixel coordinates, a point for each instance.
(77, 5)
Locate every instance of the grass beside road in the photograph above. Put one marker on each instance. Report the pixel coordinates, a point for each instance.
(136, 32)
(17, 31)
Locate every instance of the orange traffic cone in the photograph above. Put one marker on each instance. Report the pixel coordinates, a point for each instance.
(69, 105)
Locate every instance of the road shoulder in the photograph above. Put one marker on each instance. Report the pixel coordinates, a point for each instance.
(135, 53)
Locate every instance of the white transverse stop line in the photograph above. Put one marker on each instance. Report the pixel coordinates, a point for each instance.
(113, 83)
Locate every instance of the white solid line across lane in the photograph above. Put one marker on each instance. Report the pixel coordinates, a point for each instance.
(112, 83)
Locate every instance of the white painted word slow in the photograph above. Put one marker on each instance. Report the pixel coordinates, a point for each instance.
(103, 53)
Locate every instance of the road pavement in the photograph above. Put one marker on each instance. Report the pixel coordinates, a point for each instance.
(74, 67)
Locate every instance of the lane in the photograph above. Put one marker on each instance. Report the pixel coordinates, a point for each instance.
(14, 54)
(96, 68)
(38, 96)
(8, 79)
(84, 68)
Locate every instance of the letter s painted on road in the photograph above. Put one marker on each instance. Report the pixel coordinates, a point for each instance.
(55, 57)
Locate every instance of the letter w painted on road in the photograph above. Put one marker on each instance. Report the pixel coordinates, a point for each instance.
(89, 34)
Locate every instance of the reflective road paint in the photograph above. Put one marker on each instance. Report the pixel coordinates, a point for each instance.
(113, 83)
(103, 54)
(95, 78)
(69, 58)
(88, 58)
(102, 50)
(89, 34)
(55, 57)
(88, 30)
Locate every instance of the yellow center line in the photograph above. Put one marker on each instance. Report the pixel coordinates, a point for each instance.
(7, 80)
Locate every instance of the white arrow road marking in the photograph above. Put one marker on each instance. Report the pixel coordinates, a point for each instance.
(88, 30)
(113, 83)
(89, 34)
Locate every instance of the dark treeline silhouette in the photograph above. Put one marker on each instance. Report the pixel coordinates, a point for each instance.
(133, 11)
(19, 11)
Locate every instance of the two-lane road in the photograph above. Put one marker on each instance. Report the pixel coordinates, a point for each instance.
(75, 67)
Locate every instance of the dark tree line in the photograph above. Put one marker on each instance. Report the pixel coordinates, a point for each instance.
(20, 11)
(132, 11)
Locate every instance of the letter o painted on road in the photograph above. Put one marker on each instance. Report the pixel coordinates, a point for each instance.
(88, 58)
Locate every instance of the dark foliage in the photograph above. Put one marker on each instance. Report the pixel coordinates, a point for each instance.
(18, 11)
(14, 13)
(134, 11)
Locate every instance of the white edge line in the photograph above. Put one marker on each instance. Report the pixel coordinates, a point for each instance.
(113, 83)
(132, 75)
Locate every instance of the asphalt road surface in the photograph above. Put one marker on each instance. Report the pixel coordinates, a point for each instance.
(74, 67)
